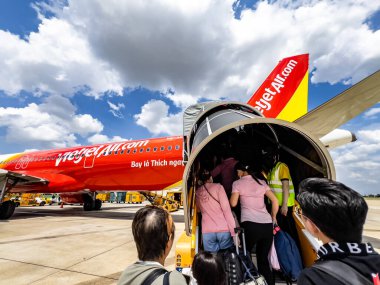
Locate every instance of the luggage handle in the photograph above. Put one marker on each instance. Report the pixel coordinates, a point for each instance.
(237, 231)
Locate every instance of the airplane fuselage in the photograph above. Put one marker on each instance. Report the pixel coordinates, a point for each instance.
(151, 164)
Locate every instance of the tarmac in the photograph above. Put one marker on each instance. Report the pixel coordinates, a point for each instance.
(53, 245)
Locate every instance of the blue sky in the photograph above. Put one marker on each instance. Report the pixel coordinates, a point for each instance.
(84, 72)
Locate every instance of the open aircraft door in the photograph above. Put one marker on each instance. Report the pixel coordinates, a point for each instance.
(216, 123)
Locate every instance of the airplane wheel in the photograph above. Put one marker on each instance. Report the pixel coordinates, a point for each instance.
(88, 203)
(7, 209)
(98, 204)
(87, 206)
(42, 203)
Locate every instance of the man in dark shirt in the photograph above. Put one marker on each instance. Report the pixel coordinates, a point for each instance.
(335, 214)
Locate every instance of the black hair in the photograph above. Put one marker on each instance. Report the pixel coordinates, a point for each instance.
(337, 210)
(152, 227)
(208, 269)
(204, 175)
(269, 150)
(270, 156)
(256, 175)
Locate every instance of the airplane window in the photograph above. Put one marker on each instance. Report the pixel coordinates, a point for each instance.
(141, 149)
(110, 152)
(105, 153)
(148, 149)
(135, 150)
(169, 147)
(122, 152)
(154, 149)
(115, 151)
(162, 148)
(77, 156)
(128, 151)
(82, 154)
(177, 147)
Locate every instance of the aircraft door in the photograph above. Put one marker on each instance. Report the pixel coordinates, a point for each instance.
(89, 161)
(301, 151)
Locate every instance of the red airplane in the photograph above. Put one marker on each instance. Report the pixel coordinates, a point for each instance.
(77, 173)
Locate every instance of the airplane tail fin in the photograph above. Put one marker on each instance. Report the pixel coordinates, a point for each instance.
(284, 93)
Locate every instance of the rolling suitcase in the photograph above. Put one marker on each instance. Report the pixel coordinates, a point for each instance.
(232, 266)
(249, 273)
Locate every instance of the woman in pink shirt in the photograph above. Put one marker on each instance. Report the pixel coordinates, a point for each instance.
(217, 221)
(255, 219)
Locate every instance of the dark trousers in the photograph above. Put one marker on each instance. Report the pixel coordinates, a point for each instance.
(262, 236)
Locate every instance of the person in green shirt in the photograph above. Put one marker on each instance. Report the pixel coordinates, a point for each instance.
(281, 184)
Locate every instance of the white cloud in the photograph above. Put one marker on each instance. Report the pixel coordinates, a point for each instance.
(193, 47)
(371, 113)
(370, 135)
(155, 117)
(115, 109)
(85, 124)
(99, 138)
(56, 59)
(357, 164)
(37, 127)
(182, 100)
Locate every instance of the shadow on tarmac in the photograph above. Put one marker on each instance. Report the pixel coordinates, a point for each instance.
(77, 211)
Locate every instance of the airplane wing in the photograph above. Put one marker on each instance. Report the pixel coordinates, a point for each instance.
(21, 178)
(26, 181)
(344, 107)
